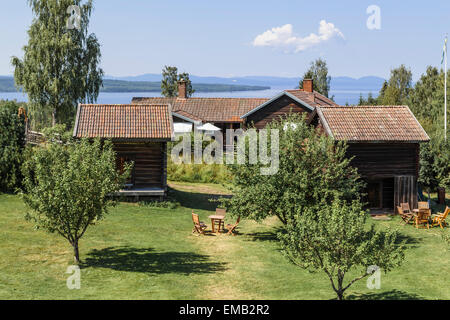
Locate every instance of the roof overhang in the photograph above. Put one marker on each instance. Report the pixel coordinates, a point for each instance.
(196, 122)
(278, 96)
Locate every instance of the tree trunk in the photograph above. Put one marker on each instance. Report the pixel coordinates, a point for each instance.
(54, 117)
(76, 253)
(340, 291)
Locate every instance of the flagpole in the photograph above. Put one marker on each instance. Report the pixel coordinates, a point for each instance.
(445, 94)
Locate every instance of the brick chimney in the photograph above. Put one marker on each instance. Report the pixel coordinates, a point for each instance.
(182, 90)
(308, 85)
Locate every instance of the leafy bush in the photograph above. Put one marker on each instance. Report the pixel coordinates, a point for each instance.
(12, 144)
(313, 171)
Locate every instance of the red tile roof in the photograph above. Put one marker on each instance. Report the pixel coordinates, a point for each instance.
(208, 109)
(227, 109)
(372, 124)
(124, 121)
(314, 99)
(188, 115)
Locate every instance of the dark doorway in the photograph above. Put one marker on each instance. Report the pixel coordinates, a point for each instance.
(123, 159)
(374, 189)
(388, 193)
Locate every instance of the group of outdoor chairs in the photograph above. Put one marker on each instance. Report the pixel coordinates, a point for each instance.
(217, 221)
(421, 217)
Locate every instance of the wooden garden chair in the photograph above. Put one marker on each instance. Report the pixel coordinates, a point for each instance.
(407, 217)
(439, 219)
(199, 226)
(423, 218)
(405, 207)
(423, 205)
(232, 227)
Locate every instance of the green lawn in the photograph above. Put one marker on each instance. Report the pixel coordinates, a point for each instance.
(149, 253)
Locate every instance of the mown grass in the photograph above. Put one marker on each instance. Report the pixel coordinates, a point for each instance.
(140, 252)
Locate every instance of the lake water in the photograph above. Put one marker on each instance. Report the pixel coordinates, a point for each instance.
(340, 96)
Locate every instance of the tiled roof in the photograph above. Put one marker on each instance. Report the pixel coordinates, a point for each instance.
(314, 99)
(188, 115)
(125, 121)
(309, 99)
(208, 109)
(372, 124)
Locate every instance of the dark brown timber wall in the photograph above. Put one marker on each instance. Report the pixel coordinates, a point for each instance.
(382, 160)
(149, 162)
(273, 111)
(395, 166)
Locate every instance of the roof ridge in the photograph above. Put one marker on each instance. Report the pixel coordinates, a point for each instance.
(365, 106)
(123, 104)
(198, 98)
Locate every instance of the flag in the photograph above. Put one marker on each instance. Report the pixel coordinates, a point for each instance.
(444, 51)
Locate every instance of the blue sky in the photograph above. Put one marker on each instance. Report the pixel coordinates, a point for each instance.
(217, 38)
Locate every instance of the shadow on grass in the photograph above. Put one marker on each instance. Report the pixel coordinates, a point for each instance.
(200, 201)
(147, 260)
(387, 295)
(265, 235)
(411, 242)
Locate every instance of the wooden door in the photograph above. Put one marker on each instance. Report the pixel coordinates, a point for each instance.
(374, 197)
(405, 191)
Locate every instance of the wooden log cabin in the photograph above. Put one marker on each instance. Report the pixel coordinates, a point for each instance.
(224, 113)
(383, 141)
(139, 134)
(384, 144)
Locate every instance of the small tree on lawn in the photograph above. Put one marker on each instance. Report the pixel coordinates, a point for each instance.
(334, 240)
(313, 171)
(68, 187)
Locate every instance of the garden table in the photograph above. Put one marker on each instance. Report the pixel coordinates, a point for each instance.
(219, 219)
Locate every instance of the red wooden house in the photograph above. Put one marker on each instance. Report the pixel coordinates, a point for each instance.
(140, 134)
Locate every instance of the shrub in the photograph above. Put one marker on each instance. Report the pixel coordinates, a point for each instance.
(313, 171)
(12, 144)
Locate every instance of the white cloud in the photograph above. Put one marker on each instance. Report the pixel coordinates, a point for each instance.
(283, 37)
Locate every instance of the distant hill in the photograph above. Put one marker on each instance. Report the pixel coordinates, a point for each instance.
(370, 83)
(249, 80)
(362, 84)
(7, 85)
(151, 83)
